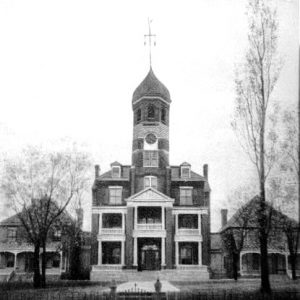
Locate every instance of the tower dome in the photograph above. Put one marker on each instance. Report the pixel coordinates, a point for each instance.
(151, 87)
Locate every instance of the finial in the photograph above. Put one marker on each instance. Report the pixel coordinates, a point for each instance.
(149, 36)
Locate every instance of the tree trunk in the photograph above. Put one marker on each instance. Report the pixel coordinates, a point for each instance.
(262, 218)
(36, 266)
(44, 265)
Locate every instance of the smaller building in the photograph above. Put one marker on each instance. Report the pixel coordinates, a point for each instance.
(243, 224)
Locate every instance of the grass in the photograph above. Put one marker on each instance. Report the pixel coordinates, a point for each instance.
(67, 289)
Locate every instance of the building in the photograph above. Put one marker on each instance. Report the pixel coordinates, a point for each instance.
(249, 250)
(150, 215)
(16, 252)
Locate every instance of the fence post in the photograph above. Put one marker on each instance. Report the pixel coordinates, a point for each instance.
(113, 290)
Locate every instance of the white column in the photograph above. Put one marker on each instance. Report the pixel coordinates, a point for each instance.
(99, 253)
(176, 253)
(61, 261)
(100, 222)
(200, 253)
(163, 218)
(199, 223)
(135, 217)
(122, 252)
(135, 251)
(241, 264)
(287, 263)
(163, 251)
(176, 224)
(123, 222)
(15, 260)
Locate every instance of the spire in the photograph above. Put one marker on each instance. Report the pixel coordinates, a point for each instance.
(150, 36)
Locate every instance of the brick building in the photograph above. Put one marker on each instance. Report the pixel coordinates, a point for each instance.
(249, 252)
(150, 215)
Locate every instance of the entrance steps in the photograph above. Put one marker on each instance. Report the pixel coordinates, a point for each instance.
(120, 275)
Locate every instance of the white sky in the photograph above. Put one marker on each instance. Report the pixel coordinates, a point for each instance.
(68, 68)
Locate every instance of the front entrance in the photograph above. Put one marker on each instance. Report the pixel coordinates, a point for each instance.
(149, 250)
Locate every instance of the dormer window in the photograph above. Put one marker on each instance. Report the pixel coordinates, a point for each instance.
(150, 181)
(116, 171)
(185, 171)
(150, 112)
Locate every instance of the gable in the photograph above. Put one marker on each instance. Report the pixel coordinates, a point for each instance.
(148, 196)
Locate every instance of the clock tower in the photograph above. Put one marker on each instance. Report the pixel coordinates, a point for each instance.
(151, 106)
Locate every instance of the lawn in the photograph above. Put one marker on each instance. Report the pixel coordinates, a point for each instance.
(61, 290)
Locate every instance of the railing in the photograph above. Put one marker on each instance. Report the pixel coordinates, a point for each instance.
(149, 226)
(187, 231)
(111, 231)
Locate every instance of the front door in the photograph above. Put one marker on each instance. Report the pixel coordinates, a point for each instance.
(149, 254)
(151, 261)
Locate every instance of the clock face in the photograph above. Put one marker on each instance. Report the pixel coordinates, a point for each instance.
(151, 138)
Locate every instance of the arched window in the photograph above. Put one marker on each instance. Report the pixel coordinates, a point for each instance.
(151, 112)
(163, 115)
(138, 115)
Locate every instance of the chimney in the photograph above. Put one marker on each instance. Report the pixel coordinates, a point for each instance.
(97, 171)
(205, 171)
(224, 217)
(79, 213)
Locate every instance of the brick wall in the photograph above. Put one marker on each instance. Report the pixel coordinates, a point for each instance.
(129, 239)
(169, 238)
(94, 242)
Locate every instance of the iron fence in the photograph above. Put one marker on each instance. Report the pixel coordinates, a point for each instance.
(71, 295)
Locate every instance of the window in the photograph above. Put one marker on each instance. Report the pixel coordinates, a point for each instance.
(57, 235)
(186, 196)
(10, 261)
(115, 195)
(185, 172)
(188, 254)
(111, 253)
(112, 221)
(116, 172)
(150, 159)
(12, 233)
(150, 181)
(138, 115)
(188, 221)
(151, 112)
(163, 115)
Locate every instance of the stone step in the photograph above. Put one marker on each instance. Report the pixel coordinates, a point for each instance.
(194, 275)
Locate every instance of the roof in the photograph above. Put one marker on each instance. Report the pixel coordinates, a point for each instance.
(11, 221)
(175, 176)
(125, 174)
(115, 163)
(185, 164)
(151, 86)
(248, 213)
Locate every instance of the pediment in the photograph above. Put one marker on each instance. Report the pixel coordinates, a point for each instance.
(150, 195)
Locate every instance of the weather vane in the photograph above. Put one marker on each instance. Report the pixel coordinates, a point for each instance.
(149, 36)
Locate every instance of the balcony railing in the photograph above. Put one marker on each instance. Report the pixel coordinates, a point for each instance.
(111, 231)
(149, 226)
(188, 231)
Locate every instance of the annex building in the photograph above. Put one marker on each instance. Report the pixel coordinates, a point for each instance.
(150, 215)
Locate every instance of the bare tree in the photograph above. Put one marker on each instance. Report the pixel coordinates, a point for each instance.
(39, 186)
(255, 82)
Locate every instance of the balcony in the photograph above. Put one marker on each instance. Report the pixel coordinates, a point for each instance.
(111, 231)
(188, 231)
(149, 226)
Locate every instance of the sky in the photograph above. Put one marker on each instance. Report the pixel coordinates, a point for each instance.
(68, 69)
